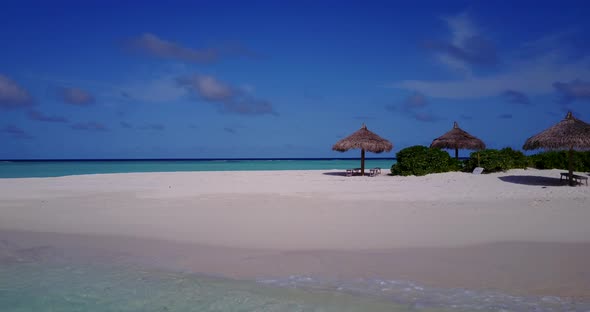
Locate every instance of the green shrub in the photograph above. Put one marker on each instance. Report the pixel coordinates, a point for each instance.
(559, 160)
(518, 160)
(582, 161)
(493, 160)
(549, 160)
(420, 160)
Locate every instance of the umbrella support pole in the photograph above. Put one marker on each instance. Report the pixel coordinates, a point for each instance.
(571, 166)
(362, 162)
(456, 153)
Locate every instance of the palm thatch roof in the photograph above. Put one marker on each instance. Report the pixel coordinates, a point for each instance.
(570, 133)
(365, 140)
(457, 138)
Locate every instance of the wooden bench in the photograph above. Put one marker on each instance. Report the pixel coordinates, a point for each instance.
(577, 178)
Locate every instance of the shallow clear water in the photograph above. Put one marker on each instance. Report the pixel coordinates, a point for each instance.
(60, 285)
(420, 297)
(29, 169)
(47, 278)
(43, 287)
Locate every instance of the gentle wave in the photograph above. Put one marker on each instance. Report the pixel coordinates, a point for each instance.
(423, 297)
(122, 282)
(72, 287)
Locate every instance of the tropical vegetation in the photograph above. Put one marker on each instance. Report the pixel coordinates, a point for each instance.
(421, 160)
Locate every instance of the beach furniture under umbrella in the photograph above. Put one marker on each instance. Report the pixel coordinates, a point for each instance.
(457, 139)
(364, 140)
(568, 134)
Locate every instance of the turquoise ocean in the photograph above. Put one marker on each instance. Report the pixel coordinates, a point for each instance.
(56, 168)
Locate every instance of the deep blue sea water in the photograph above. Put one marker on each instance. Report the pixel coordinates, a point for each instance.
(57, 168)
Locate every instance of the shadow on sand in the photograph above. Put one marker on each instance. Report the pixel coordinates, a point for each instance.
(343, 174)
(533, 180)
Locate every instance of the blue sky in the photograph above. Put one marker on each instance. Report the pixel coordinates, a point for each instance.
(232, 79)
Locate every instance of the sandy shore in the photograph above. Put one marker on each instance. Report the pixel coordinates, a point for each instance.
(520, 231)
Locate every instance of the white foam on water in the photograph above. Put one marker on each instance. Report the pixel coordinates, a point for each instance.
(420, 297)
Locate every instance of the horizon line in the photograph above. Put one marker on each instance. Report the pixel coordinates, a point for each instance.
(192, 159)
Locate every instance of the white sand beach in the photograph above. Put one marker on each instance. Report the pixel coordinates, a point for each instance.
(522, 231)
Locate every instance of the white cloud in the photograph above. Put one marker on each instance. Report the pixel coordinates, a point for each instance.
(466, 47)
(516, 97)
(155, 46)
(163, 89)
(89, 126)
(534, 77)
(15, 132)
(39, 116)
(531, 68)
(209, 87)
(13, 96)
(462, 28)
(228, 98)
(572, 91)
(76, 96)
(415, 106)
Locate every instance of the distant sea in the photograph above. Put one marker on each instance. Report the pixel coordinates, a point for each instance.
(58, 168)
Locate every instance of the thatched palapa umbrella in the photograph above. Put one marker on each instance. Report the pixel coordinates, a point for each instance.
(458, 139)
(570, 133)
(364, 140)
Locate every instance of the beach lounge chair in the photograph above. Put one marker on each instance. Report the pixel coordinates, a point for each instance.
(375, 171)
(577, 178)
(353, 171)
(477, 170)
(580, 178)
